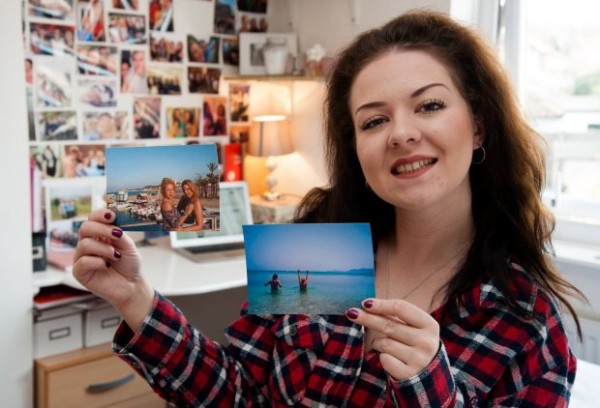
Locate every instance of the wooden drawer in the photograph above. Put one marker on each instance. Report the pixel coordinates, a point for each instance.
(91, 377)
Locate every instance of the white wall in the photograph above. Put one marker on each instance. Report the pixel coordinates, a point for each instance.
(16, 379)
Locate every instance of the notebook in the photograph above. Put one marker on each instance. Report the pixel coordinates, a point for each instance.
(228, 241)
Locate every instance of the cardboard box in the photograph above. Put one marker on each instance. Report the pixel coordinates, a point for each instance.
(100, 323)
(57, 330)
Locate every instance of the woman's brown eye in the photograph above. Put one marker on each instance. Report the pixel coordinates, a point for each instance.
(371, 123)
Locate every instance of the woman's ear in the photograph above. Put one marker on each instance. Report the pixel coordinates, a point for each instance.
(479, 135)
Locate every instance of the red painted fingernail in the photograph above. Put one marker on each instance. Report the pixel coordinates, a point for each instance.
(117, 233)
(368, 304)
(107, 264)
(117, 254)
(107, 215)
(352, 313)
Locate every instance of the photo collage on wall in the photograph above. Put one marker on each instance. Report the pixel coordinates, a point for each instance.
(128, 73)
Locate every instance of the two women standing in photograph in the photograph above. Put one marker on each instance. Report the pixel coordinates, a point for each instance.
(187, 214)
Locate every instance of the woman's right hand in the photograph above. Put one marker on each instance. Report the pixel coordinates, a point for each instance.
(107, 263)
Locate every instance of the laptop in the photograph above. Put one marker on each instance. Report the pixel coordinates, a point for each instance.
(228, 241)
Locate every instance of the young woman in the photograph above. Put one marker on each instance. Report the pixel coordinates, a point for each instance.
(426, 143)
(170, 214)
(190, 208)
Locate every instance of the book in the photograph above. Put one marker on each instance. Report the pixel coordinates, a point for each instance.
(60, 295)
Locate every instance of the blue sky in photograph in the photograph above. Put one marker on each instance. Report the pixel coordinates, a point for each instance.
(134, 167)
(316, 247)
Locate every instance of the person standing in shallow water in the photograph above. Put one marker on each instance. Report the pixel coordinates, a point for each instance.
(275, 283)
(303, 282)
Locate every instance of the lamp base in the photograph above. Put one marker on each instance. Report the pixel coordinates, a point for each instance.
(271, 195)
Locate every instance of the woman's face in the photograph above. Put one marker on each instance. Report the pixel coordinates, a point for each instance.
(169, 190)
(415, 133)
(188, 191)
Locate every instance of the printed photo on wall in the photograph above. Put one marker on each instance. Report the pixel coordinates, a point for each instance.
(254, 6)
(183, 122)
(53, 82)
(90, 21)
(83, 160)
(47, 159)
(164, 80)
(51, 39)
(28, 71)
(308, 268)
(30, 114)
(56, 125)
(56, 9)
(105, 125)
(63, 235)
(224, 17)
(166, 47)
(133, 72)
(160, 14)
(239, 102)
(204, 80)
(173, 193)
(231, 51)
(203, 49)
(68, 202)
(97, 60)
(97, 92)
(251, 23)
(126, 28)
(239, 133)
(214, 120)
(126, 4)
(146, 118)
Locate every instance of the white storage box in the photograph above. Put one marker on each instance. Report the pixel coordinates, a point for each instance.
(100, 323)
(57, 330)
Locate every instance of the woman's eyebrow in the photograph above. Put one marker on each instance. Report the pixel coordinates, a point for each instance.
(416, 93)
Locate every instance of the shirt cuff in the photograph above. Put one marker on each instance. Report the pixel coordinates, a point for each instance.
(432, 387)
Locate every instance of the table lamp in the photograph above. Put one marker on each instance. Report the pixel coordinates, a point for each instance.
(269, 137)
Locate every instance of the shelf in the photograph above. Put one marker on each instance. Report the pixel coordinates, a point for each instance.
(49, 277)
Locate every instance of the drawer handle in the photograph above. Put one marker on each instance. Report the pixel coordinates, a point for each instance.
(107, 386)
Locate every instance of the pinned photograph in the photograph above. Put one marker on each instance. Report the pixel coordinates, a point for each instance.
(105, 125)
(203, 49)
(47, 159)
(204, 80)
(28, 71)
(166, 47)
(68, 202)
(97, 92)
(231, 51)
(90, 21)
(126, 28)
(164, 80)
(239, 102)
(254, 6)
(161, 15)
(51, 39)
(214, 120)
(57, 9)
(239, 133)
(53, 82)
(97, 60)
(175, 192)
(83, 160)
(146, 117)
(133, 72)
(251, 23)
(183, 122)
(224, 17)
(56, 125)
(63, 235)
(308, 268)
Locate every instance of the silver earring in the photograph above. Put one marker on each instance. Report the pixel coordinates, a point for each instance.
(483, 155)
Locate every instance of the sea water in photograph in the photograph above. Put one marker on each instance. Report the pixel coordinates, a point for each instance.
(327, 292)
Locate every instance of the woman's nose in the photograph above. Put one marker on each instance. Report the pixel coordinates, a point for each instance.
(403, 132)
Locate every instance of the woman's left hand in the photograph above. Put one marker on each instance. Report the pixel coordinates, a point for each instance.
(408, 338)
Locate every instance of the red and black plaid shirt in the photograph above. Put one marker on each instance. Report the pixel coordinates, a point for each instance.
(489, 356)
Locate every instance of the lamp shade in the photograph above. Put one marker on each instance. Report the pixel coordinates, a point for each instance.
(269, 136)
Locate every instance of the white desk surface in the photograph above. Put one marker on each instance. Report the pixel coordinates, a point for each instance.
(585, 392)
(172, 274)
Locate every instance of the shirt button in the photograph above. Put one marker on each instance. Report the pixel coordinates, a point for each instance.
(293, 331)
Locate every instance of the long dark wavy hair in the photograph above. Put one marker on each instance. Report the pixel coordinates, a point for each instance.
(510, 220)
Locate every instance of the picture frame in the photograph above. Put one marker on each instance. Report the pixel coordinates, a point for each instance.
(251, 44)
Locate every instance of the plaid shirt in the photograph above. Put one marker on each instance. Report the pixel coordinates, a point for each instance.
(488, 356)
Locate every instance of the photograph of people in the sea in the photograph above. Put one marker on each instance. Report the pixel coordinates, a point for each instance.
(308, 268)
(168, 188)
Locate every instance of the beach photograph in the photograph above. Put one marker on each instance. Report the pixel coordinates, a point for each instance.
(168, 188)
(308, 268)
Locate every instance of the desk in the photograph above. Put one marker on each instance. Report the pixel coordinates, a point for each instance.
(173, 275)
